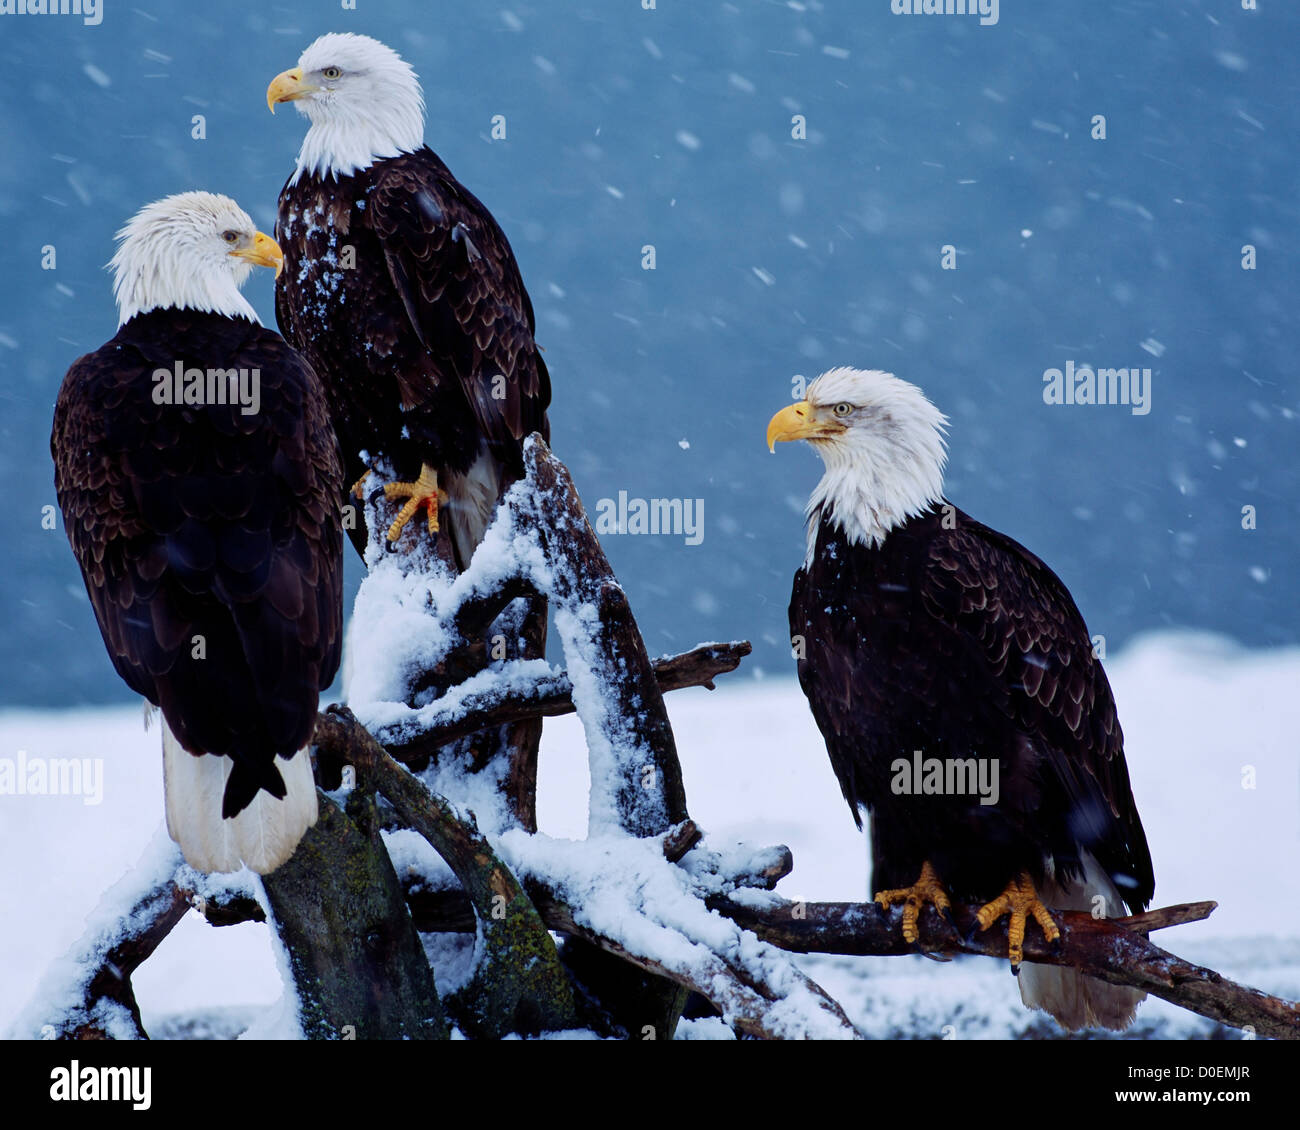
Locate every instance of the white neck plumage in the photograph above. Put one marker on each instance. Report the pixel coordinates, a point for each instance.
(151, 282)
(343, 143)
(873, 484)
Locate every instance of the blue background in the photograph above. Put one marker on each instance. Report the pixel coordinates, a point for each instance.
(775, 257)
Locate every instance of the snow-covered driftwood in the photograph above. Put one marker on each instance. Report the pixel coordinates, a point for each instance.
(87, 993)
(550, 696)
(646, 908)
(1116, 950)
(518, 983)
(358, 969)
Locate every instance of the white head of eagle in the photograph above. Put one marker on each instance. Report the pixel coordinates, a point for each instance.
(189, 251)
(363, 101)
(883, 445)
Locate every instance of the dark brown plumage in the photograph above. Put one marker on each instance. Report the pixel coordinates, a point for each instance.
(961, 643)
(425, 343)
(954, 683)
(204, 521)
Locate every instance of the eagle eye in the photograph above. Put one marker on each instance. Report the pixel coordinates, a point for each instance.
(332, 72)
(230, 236)
(843, 409)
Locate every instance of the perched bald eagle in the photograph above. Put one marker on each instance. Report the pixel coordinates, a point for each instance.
(402, 291)
(955, 684)
(199, 483)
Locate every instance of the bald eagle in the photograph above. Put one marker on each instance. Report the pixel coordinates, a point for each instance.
(404, 294)
(199, 483)
(955, 684)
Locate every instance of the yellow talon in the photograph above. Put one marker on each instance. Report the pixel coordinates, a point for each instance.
(424, 492)
(357, 491)
(1019, 900)
(926, 889)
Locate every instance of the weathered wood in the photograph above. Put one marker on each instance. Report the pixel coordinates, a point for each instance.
(649, 796)
(522, 739)
(1109, 950)
(768, 874)
(109, 982)
(681, 839)
(518, 984)
(636, 778)
(473, 623)
(481, 618)
(553, 697)
(1103, 949)
(355, 956)
(439, 910)
(700, 666)
(1166, 916)
(747, 1003)
(232, 910)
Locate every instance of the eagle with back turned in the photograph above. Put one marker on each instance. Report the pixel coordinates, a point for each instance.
(925, 636)
(206, 525)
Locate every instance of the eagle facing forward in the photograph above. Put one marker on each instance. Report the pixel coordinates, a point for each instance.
(928, 640)
(404, 294)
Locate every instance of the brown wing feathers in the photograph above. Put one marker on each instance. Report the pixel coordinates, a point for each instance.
(208, 537)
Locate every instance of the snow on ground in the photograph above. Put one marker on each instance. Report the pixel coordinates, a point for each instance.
(1211, 735)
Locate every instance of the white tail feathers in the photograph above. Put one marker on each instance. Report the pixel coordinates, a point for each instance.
(1074, 1000)
(260, 838)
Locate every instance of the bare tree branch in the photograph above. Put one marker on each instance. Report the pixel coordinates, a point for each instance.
(149, 922)
(101, 1004)
(648, 793)
(746, 1001)
(552, 697)
(1102, 949)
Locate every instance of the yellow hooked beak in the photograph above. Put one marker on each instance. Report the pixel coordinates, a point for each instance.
(287, 86)
(262, 252)
(800, 421)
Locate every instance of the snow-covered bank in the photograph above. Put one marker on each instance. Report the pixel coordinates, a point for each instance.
(1212, 748)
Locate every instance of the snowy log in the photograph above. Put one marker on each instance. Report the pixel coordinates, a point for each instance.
(1114, 951)
(539, 546)
(88, 994)
(107, 1008)
(553, 696)
(633, 753)
(636, 778)
(358, 967)
(660, 925)
(518, 983)
(1111, 950)
(766, 1000)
